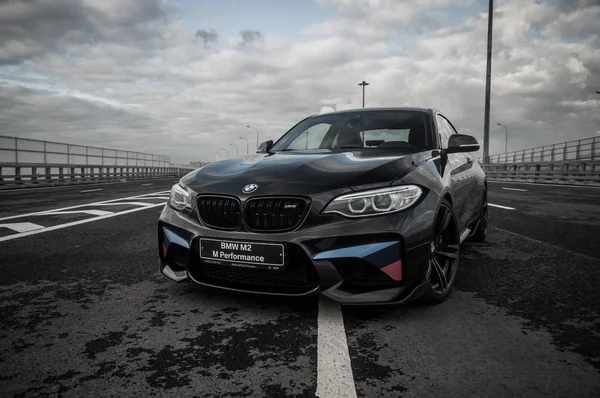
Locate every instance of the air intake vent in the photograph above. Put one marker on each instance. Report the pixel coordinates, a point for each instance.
(219, 212)
(275, 214)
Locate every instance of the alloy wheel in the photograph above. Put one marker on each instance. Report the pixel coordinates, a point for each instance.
(444, 252)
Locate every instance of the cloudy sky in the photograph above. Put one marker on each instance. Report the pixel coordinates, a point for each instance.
(184, 78)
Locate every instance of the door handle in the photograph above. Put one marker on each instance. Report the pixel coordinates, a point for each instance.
(469, 160)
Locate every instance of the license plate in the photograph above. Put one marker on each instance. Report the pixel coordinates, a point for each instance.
(242, 254)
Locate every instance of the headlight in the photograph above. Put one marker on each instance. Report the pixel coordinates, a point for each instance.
(180, 198)
(378, 201)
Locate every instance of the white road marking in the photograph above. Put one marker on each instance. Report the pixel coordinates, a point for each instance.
(501, 207)
(546, 185)
(71, 224)
(79, 206)
(22, 226)
(90, 212)
(75, 186)
(334, 372)
(146, 185)
(123, 203)
(91, 190)
(515, 189)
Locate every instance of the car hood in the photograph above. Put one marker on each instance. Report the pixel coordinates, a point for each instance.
(304, 172)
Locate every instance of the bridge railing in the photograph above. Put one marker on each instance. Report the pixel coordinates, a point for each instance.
(585, 149)
(27, 162)
(586, 172)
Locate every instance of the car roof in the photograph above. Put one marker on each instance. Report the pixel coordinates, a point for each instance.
(414, 109)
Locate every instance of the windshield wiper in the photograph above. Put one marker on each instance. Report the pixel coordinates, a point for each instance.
(350, 147)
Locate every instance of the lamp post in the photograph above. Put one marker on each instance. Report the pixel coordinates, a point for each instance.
(506, 137)
(363, 84)
(254, 128)
(488, 86)
(247, 145)
(237, 150)
(226, 151)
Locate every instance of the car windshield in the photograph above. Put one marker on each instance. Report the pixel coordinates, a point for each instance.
(405, 130)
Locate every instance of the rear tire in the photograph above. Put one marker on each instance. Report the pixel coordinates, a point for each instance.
(444, 256)
(482, 224)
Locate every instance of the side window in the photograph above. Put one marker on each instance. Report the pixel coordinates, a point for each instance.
(444, 130)
(311, 138)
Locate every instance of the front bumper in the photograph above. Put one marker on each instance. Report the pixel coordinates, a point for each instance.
(377, 260)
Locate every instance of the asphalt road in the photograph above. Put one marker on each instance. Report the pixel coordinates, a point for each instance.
(84, 311)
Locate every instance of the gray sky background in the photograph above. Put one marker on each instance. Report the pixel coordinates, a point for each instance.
(173, 78)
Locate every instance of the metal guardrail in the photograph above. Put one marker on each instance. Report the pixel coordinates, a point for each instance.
(586, 149)
(28, 151)
(34, 162)
(558, 172)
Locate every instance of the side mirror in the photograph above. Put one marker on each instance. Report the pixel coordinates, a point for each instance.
(462, 143)
(265, 146)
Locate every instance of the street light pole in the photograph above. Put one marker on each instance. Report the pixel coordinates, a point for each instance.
(247, 145)
(488, 84)
(237, 150)
(363, 84)
(254, 128)
(506, 137)
(226, 151)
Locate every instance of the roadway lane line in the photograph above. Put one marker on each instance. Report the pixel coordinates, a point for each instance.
(79, 206)
(90, 212)
(22, 226)
(146, 185)
(501, 207)
(81, 185)
(546, 185)
(334, 371)
(71, 224)
(91, 190)
(123, 203)
(515, 189)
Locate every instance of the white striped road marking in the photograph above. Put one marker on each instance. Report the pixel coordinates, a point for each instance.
(90, 212)
(548, 185)
(501, 207)
(91, 190)
(124, 203)
(22, 226)
(334, 372)
(146, 185)
(71, 224)
(515, 189)
(84, 205)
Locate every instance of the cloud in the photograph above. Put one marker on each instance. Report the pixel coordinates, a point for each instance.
(250, 36)
(133, 74)
(209, 36)
(31, 28)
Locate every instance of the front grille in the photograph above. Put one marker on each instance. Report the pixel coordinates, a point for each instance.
(299, 275)
(219, 212)
(275, 214)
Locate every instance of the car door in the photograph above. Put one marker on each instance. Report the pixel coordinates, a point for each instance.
(473, 187)
(458, 165)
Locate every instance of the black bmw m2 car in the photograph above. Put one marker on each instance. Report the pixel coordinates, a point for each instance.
(365, 206)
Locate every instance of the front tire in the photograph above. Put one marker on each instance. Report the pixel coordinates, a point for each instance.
(444, 254)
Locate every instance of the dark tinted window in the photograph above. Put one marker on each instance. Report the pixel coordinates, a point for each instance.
(361, 130)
